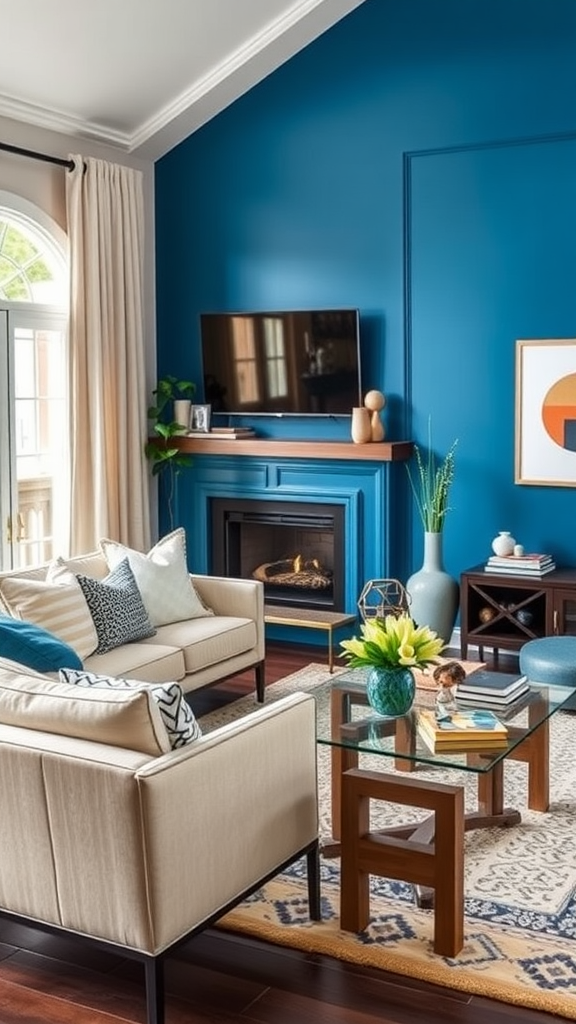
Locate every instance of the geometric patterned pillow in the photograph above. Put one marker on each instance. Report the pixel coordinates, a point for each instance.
(178, 716)
(116, 608)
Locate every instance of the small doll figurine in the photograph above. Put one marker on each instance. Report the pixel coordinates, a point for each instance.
(447, 678)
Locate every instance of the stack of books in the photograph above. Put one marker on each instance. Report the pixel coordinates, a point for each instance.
(462, 731)
(520, 565)
(492, 689)
(229, 433)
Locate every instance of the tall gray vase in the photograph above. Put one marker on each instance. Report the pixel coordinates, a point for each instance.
(434, 594)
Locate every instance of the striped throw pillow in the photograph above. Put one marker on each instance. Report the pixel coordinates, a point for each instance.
(56, 604)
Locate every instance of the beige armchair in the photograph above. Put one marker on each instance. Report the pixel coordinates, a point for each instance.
(109, 836)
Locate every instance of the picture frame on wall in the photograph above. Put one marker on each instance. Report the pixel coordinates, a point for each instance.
(545, 435)
(200, 416)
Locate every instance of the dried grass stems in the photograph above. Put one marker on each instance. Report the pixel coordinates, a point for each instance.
(432, 485)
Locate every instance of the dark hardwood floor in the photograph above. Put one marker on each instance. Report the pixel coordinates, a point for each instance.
(217, 977)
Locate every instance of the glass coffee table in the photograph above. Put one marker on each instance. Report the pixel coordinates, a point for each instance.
(430, 854)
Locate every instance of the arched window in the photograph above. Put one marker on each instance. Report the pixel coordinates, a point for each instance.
(34, 475)
(33, 263)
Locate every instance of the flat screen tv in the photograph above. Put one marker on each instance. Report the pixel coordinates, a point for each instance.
(293, 363)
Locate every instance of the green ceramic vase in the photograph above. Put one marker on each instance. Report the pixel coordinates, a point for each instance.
(390, 691)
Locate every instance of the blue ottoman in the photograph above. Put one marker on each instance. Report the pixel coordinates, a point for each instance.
(551, 659)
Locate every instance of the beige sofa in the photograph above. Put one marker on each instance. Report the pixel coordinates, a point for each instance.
(110, 836)
(195, 652)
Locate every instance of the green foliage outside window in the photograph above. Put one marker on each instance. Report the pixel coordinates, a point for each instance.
(21, 265)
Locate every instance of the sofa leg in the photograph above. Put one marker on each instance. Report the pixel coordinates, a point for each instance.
(260, 681)
(313, 873)
(154, 969)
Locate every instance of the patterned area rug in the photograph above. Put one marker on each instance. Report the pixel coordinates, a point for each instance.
(520, 888)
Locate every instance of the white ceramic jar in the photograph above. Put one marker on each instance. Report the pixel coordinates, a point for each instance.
(182, 407)
(361, 428)
(504, 543)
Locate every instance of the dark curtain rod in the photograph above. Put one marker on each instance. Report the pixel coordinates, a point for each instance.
(37, 156)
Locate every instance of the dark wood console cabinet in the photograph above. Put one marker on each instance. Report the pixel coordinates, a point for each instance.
(521, 608)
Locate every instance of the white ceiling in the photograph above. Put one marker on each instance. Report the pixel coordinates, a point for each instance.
(143, 74)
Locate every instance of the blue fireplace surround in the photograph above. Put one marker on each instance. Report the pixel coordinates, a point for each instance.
(361, 485)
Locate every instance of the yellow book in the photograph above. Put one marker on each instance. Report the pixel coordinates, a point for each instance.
(464, 742)
(465, 730)
(464, 746)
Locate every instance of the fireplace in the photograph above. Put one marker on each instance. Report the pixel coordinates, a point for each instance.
(296, 549)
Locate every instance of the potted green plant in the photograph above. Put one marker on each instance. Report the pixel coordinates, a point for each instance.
(167, 459)
(391, 647)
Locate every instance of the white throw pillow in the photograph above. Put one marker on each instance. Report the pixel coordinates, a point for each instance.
(162, 577)
(56, 603)
(178, 717)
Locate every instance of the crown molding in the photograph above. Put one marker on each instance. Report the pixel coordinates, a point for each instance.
(245, 67)
(205, 98)
(58, 121)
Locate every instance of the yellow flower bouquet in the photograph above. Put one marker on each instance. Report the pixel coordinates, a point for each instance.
(391, 647)
(393, 642)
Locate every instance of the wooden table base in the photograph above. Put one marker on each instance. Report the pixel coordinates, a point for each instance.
(438, 865)
(430, 854)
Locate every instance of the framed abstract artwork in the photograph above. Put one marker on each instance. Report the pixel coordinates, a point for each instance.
(546, 412)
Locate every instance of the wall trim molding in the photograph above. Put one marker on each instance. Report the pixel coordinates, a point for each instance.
(503, 143)
(408, 157)
(408, 162)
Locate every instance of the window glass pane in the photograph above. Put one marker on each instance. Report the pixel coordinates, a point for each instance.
(25, 376)
(39, 405)
(25, 427)
(26, 272)
(17, 247)
(34, 429)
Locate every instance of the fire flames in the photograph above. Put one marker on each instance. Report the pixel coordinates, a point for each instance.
(299, 565)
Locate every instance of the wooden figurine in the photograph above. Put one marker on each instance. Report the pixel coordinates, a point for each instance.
(375, 402)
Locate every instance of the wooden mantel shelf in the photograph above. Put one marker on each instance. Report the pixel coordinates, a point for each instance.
(380, 451)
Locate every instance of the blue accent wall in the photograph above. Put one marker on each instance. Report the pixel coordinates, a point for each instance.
(417, 161)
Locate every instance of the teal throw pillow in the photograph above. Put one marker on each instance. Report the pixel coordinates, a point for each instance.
(34, 646)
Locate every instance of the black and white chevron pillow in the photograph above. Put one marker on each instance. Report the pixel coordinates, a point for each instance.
(177, 714)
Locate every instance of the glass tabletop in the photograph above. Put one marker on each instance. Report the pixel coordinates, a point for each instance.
(346, 721)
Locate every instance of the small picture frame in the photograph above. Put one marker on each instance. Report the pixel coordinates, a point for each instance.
(200, 419)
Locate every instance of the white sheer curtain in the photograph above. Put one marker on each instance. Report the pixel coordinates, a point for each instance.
(105, 210)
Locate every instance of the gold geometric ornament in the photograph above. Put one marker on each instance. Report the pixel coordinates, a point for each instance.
(383, 597)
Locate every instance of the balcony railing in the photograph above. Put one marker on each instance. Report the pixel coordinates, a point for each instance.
(32, 533)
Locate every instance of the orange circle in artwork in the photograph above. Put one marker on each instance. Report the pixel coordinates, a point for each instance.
(559, 412)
